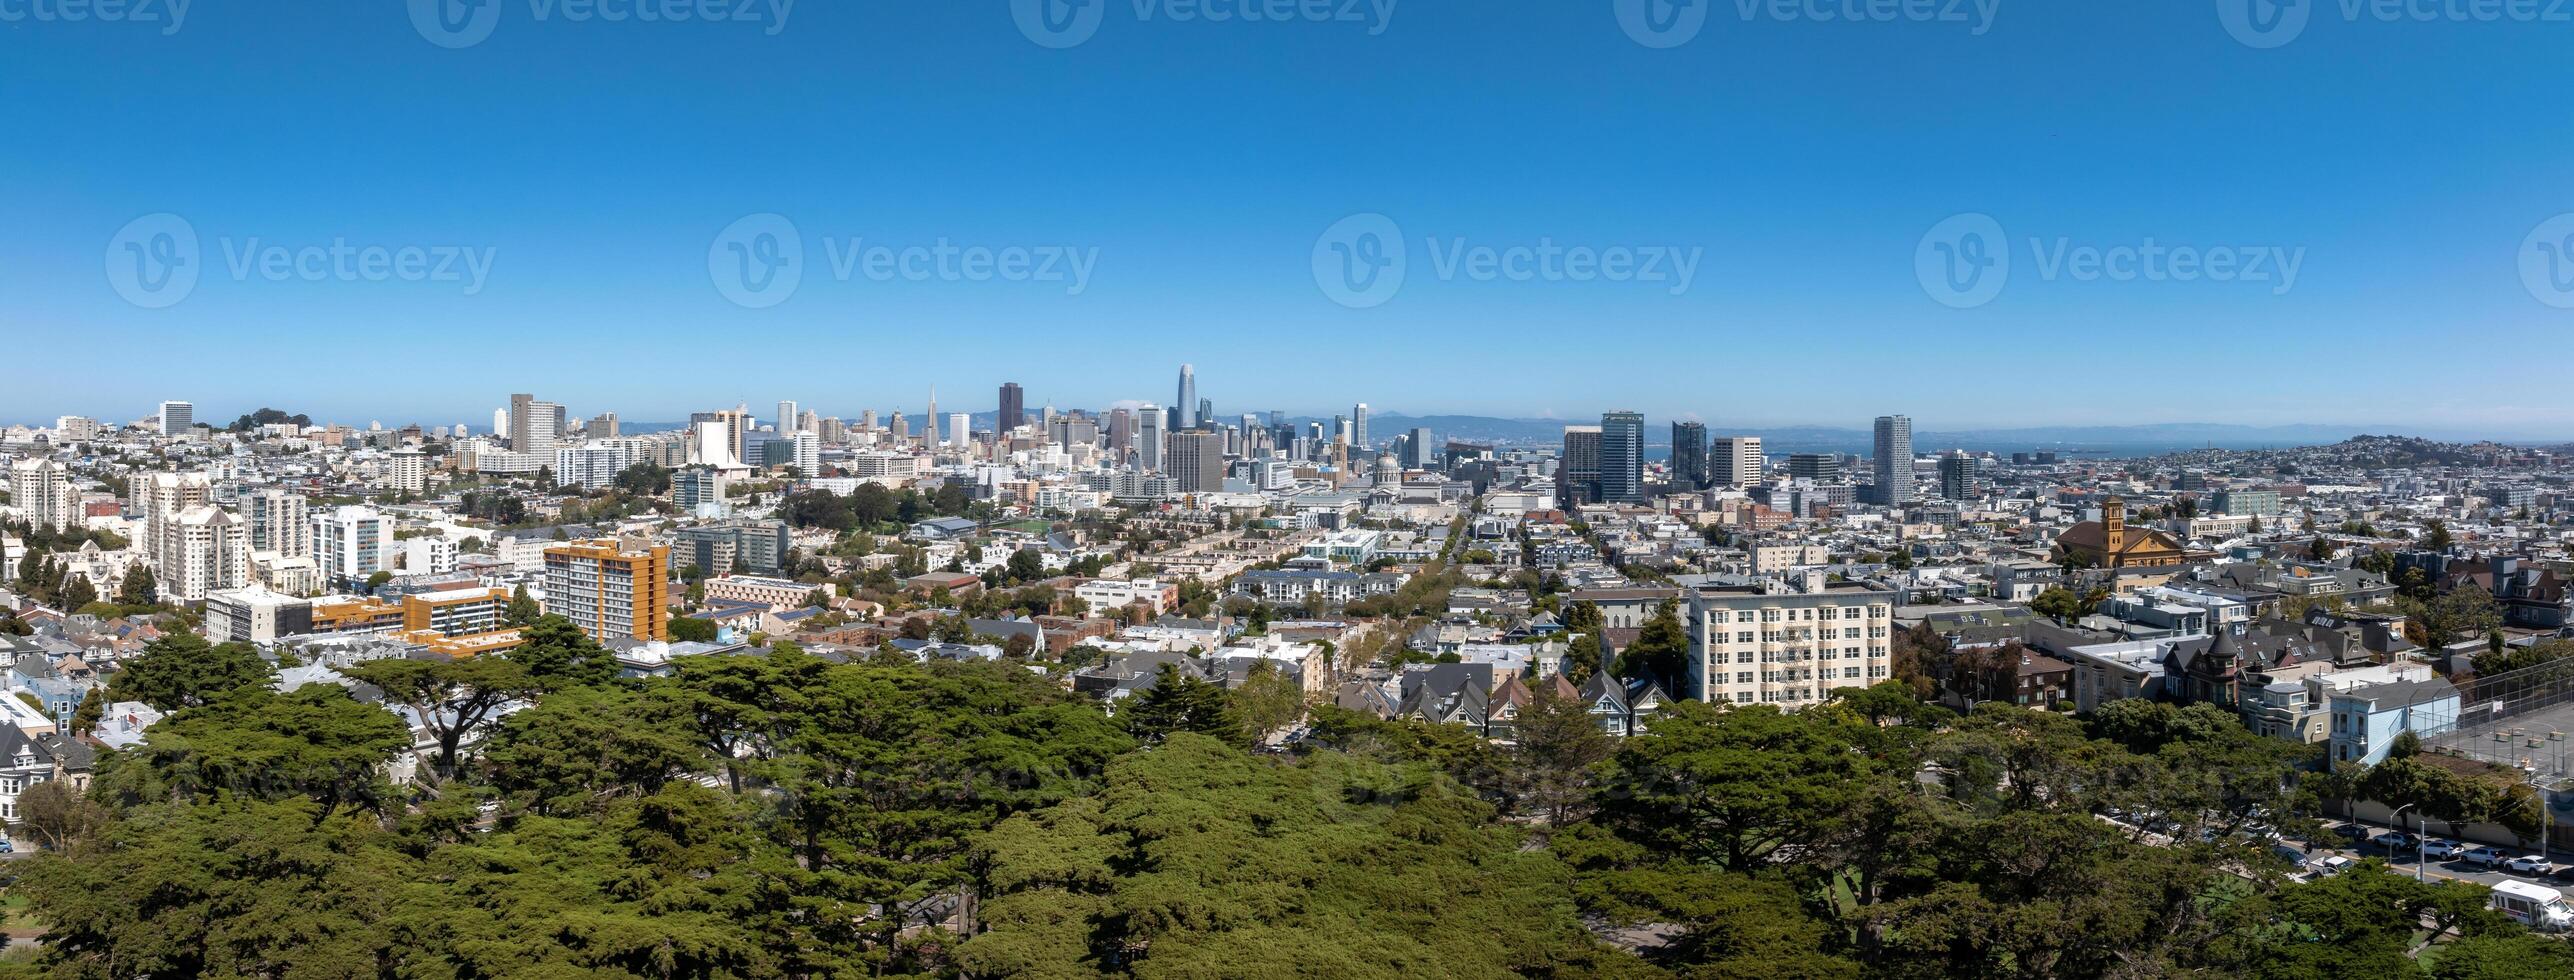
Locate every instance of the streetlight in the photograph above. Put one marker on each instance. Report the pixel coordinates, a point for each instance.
(2420, 844)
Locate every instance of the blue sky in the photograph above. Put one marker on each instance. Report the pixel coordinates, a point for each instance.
(1801, 161)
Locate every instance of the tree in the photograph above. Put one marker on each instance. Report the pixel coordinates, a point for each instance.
(179, 670)
(1660, 651)
(314, 743)
(2057, 603)
(1582, 658)
(93, 709)
(1180, 702)
(2321, 548)
(139, 588)
(2436, 537)
(450, 698)
(1728, 786)
(1558, 745)
(1026, 566)
(1267, 701)
(77, 592)
(54, 815)
(522, 609)
(686, 629)
(558, 654)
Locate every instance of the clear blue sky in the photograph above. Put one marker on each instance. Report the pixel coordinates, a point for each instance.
(598, 161)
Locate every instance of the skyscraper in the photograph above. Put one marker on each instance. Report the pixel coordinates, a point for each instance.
(929, 436)
(42, 490)
(1689, 455)
(1196, 460)
(1014, 408)
(1121, 433)
(1358, 426)
(1894, 460)
(1735, 461)
(534, 426)
(609, 592)
(1957, 476)
(177, 418)
(786, 419)
(1622, 458)
(1577, 475)
(1184, 410)
(1418, 453)
(1148, 439)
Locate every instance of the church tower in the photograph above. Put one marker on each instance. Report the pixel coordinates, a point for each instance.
(2113, 531)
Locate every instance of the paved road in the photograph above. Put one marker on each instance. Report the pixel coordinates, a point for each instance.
(2404, 862)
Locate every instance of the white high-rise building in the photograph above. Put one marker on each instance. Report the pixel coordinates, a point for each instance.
(203, 550)
(1734, 461)
(42, 491)
(278, 522)
(351, 543)
(596, 463)
(409, 471)
(428, 554)
(787, 421)
(960, 428)
(500, 425)
(177, 418)
(808, 454)
(75, 428)
(159, 498)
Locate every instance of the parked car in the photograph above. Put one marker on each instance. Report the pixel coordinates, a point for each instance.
(2531, 864)
(2485, 856)
(2352, 831)
(2393, 840)
(2565, 872)
(2328, 865)
(2437, 849)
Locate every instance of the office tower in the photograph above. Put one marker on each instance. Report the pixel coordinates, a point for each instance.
(695, 487)
(177, 418)
(1014, 408)
(1185, 407)
(960, 428)
(203, 551)
(42, 491)
(609, 592)
(1577, 475)
(1818, 467)
(1121, 433)
(867, 419)
(1148, 439)
(787, 420)
(1622, 458)
(1735, 461)
(1196, 459)
(1358, 426)
(602, 426)
(351, 543)
(1957, 476)
(409, 471)
(808, 454)
(500, 423)
(929, 436)
(1689, 456)
(899, 427)
(1894, 460)
(1419, 453)
(1735, 662)
(278, 522)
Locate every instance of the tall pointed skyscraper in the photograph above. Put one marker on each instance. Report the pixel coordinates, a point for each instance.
(1186, 408)
(930, 435)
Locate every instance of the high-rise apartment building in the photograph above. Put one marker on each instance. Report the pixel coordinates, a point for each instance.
(408, 471)
(75, 428)
(203, 550)
(1014, 408)
(1689, 455)
(787, 420)
(1957, 476)
(177, 418)
(1577, 475)
(1622, 458)
(1196, 460)
(534, 426)
(808, 454)
(609, 591)
(1894, 460)
(1787, 641)
(1735, 461)
(351, 543)
(42, 491)
(159, 499)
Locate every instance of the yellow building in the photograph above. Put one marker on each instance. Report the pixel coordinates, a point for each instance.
(608, 591)
(2110, 543)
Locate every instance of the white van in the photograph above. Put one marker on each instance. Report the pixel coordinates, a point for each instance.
(2536, 906)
